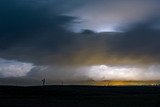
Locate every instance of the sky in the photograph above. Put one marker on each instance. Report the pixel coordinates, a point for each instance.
(75, 41)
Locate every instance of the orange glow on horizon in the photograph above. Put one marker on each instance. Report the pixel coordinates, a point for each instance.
(122, 83)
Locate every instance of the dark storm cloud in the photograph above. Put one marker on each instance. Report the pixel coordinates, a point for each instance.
(141, 40)
(34, 34)
(113, 15)
(34, 31)
(18, 19)
(25, 27)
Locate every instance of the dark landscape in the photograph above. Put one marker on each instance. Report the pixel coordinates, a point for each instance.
(80, 96)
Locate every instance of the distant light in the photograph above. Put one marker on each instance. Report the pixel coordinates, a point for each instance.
(107, 72)
(79, 27)
(106, 29)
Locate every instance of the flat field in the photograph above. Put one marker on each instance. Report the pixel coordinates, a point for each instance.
(80, 96)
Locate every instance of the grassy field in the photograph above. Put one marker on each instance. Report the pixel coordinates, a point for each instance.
(80, 96)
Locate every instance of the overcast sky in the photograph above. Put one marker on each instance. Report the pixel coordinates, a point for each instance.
(71, 40)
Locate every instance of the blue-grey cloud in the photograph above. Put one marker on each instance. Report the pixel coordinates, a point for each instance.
(25, 28)
(11, 68)
(36, 32)
(32, 30)
(113, 15)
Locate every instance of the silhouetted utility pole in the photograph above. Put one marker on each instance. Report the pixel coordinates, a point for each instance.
(43, 82)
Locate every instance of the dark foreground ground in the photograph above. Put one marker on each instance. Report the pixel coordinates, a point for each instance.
(79, 96)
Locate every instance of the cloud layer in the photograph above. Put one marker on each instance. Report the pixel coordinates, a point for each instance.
(37, 32)
(11, 68)
(113, 15)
